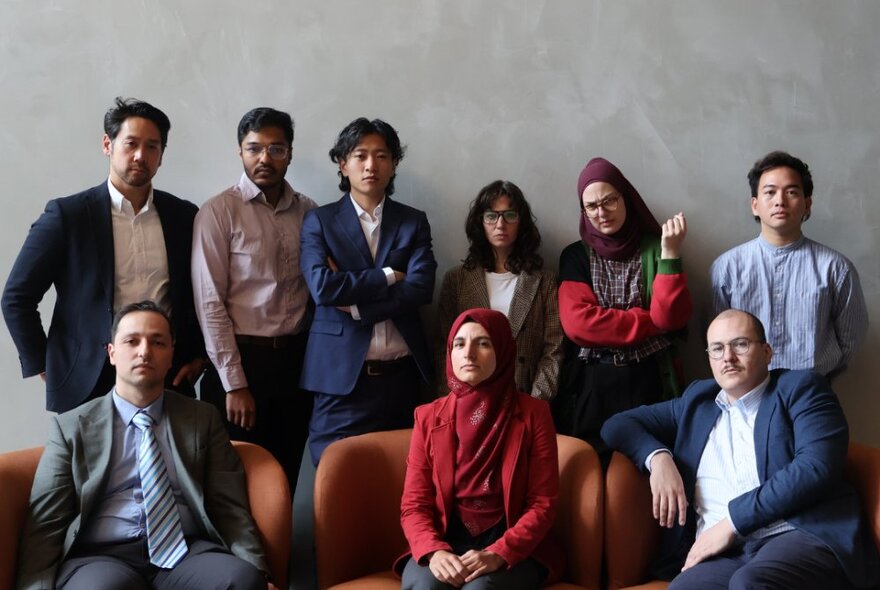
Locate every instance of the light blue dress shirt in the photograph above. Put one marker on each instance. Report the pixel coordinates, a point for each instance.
(807, 296)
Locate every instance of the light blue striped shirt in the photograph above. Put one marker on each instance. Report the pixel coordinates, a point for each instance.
(807, 296)
(728, 467)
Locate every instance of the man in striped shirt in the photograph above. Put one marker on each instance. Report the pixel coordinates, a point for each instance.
(807, 295)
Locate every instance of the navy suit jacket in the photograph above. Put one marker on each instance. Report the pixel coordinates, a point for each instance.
(801, 440)
(338, 343)
(71, 247)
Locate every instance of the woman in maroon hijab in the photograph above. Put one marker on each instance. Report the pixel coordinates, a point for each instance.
(622, 294)
(482, 474)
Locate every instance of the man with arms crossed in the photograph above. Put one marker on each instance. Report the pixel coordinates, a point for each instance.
(751, 465)
(108, 246)
(807, 295)
(369, 265)
(251, 298)
(140, 488)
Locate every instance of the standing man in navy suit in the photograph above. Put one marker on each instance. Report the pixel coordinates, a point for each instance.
(101, 249)
(369, 266)
(747, 474)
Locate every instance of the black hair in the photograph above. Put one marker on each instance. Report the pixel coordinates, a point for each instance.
(353, 134)
(145, 305)
(125, 108)
(524, 257)
(262, 117)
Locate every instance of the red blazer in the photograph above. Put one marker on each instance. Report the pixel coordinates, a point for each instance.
(529, 479)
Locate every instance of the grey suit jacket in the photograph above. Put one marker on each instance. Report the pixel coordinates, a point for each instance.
(74, 467)
(534, 321)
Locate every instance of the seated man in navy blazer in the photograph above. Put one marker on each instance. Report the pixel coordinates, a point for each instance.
(369, 266)
(747, 474)
(140, 488)
(110, 245)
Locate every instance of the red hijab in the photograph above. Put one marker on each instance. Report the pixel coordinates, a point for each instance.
(482, 412)
(639, 220)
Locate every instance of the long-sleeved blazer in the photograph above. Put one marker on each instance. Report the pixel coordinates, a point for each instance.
(529, 480)
(801, 440)
(338, 343)
(70, 247)
(74, 469)
(533, 317)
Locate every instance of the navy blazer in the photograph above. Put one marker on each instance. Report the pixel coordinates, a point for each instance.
(338, 343)
(801, 441)
(70, 246)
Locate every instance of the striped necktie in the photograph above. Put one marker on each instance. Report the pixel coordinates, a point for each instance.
(164, 533)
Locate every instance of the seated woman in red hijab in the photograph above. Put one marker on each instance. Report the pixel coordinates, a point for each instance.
(482, 475)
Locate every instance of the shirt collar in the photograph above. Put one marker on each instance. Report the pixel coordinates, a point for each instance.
(121, 204)
(250, 191)
(749, 403)
(126, 410)
(787, 248)
(376, 214)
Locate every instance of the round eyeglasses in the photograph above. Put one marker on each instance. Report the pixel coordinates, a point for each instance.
(276, 152)
(739, 346)
(591, 210)
(491, 217)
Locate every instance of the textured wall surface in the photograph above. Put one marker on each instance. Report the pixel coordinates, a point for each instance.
(682, 96)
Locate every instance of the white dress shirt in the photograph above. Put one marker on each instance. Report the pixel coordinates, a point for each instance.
(387, 342)
(140, 262)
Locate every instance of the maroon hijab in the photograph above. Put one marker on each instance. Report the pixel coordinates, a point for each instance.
(639, 220)
(482, 412)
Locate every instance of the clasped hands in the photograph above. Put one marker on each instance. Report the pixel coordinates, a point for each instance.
(457, 571)
(670, 508)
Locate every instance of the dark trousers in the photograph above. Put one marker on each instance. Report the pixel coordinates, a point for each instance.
(608, 389)
(283, 409)
(384, 398)
(126, 566)
(525, 575)
(787, 560)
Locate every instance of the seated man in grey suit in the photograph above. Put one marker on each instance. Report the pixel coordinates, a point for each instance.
(140, 488)
(747, 474)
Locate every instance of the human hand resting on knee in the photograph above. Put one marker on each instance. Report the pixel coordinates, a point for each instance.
(713, 541)
(481, 562)
(448, 568)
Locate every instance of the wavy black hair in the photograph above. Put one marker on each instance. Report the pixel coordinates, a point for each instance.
(524, 257)
(351, 136)
(125, 108)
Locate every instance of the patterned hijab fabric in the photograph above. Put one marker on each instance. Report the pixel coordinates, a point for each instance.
(639, 219)
(482, 412)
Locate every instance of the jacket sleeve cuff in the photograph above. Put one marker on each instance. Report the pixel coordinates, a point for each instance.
(670, 266)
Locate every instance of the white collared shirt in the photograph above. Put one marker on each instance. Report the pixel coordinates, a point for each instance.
(728, 466)
(140, 264)
(387, 342)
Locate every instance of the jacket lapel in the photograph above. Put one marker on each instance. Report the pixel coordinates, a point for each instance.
(102, 228)
(348, 222)
(184, 429)
(523, 295)
(97, 425)
(766, 414)
(473, 287)
(388, 231)
(443, 437)
(510, 457)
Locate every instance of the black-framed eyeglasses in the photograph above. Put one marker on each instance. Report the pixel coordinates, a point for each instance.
(491, 217)
(609, 204)
(739, 346)
(276, 152)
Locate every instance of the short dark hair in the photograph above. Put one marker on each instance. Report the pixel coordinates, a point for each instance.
(780, 159)
(145, 305)
(353, 134)
(262, 117)
(125, 108)
(524, 256)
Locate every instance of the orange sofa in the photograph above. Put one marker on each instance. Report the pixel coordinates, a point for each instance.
(268, 495)
(358, 487)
